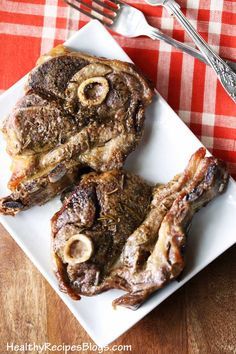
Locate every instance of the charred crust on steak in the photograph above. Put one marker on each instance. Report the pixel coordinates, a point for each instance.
(52, 77)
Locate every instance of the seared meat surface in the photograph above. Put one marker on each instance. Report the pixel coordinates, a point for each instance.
(145, 250)
(78, 111)
(105, 208)
(153, 254)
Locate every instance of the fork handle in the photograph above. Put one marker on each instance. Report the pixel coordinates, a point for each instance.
(226, 76)
(155, 33)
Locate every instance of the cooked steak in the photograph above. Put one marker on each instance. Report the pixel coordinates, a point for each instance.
(98, 245)
(78, 111)
(104, 210)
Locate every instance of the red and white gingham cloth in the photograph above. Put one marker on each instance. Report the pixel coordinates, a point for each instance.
(29, 28)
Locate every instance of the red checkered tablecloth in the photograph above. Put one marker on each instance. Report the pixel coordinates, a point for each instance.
(29, 28)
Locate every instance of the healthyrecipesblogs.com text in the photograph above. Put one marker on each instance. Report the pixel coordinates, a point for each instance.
(65, 348)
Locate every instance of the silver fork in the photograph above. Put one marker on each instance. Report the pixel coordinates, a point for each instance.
(224, 73)
(130, 22)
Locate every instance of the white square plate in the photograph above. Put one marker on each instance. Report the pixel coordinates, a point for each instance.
(165, 151)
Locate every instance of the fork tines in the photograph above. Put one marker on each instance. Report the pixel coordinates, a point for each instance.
(97, 9)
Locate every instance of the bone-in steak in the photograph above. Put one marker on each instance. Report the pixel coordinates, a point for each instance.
(110, 234)
(78, 111)
(105, 208)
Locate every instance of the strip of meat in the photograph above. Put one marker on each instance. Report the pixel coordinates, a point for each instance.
(140, 243)
(40, 189)
(165, 259)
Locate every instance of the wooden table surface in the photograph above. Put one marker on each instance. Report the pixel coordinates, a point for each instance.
(198, 318)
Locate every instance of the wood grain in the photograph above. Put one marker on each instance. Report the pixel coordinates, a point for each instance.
(199, 318)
